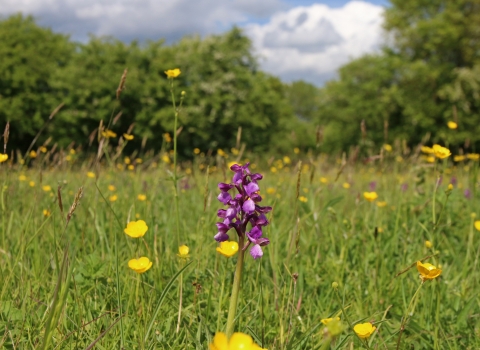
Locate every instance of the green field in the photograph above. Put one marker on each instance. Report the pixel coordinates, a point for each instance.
(68, 286)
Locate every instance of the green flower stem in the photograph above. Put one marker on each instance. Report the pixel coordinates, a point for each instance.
(410, 308)
(232, 310)
(175, 179)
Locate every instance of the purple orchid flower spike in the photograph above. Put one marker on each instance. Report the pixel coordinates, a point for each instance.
(243, 210)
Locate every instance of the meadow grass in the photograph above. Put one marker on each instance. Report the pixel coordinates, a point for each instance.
(69, 286)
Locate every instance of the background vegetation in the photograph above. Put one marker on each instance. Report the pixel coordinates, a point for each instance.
(428, 74)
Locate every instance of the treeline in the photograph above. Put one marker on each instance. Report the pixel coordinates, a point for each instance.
(224, 90)
(427, 75)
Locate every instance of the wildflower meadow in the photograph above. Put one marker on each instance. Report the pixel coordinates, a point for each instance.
(233, 249)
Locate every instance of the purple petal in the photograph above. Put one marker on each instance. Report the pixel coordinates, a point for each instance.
(221, 237)
(249, 206)
(224, 197)
(236, 168)
(256, 198)
(251, 188)
(256, 251)
(222, 227)
(263, 210)
(254, 233)
(262, 241)
(256, 177)
(237, 178)
(231, 213)
(221, 213)
(224, 187)
(262, 220)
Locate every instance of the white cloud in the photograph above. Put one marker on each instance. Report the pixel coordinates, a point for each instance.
(141, 19)
(305, 42)
(312, 42)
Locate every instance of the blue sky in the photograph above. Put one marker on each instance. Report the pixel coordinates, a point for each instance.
(293, 39)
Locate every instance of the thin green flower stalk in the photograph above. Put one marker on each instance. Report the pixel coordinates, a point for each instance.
(175, 126)
(232, 310)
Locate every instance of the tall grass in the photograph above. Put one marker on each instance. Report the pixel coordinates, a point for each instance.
(333, 236)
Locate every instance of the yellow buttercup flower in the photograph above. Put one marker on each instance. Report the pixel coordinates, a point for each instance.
(271, 190)
(381, 204)
(324, 180)
(3, 157)
(111, 188)
(452, 125)
(473, 156)
(428, 244)
(167, 137)
(196, 150)
(458, 158)
(370, 196)
(91, 174)
(387, 147)
(228, 248)
(477, 224)
(364, 330)
(33, 154)
(428, 271)
(136, 229)
(140, 265)
(450, 187)
(183, 251)
(128, 137)
(326, 321)
(173, 73)
(238, 341)
(113, 198)
(131, 167)
(166, 159)
(346, 185)
(109, 134)
(46, 188)
(142, 197)
(43, 149)
(426, 149)
(31, 184)
(46, 213)
(22, 178)
(303, 199)
(287, 160)
(441, 152)
(296, 150)
(430, 159)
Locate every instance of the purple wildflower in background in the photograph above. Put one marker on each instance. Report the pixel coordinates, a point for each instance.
(243, 209)
(467, 193)
(373, 186)
(454, 181)
(404, 187)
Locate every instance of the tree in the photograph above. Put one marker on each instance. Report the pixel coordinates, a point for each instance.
(32, 58)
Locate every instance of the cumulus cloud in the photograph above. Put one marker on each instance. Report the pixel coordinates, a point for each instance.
(311, 42)
(293, 41)
(141, 19)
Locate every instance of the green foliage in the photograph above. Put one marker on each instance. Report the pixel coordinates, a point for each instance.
(335, 236)
(428, 76)
(32, 61)
(224, 90)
